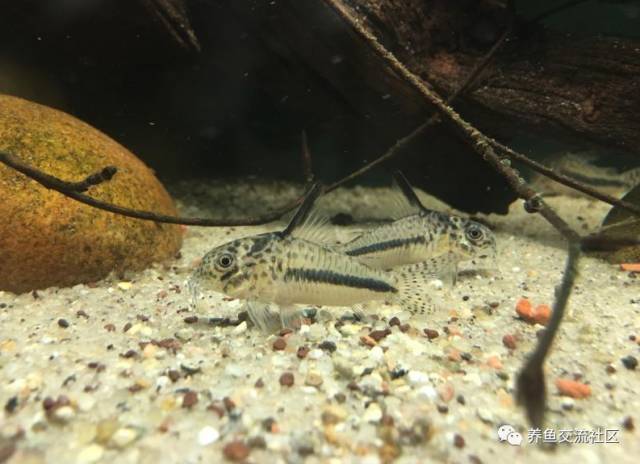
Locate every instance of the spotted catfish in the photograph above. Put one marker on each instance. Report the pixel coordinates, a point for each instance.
(283, 269)
(423, 235)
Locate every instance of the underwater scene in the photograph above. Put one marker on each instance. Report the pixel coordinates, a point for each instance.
(319, 231)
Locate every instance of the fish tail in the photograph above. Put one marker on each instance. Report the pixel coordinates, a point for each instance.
(418, 283)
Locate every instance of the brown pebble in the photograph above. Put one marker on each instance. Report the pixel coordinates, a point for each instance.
(127, 326)
(367, 340)
(110, 327)
(236, 451)
(303, 351)
(174, 375)
(287, 379)
(443, 408)
(509, 341)
(378, 335)
(129, 354)
(11, 405)
(628, 423)
(405, 328)
(610, 369)
(189, 399)
(340, 397)
(228, 403)
(48, 403)
(269, 424)
(82, 313)
(135, 388)
(280, 344)
(458, 441)
(431, 333)
(63, 323)
(217, 408)
(259, 383)
(190, 319)
(473, 459)
(285, 331)
(394, 321)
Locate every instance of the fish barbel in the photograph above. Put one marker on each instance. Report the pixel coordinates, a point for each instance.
(286, 269)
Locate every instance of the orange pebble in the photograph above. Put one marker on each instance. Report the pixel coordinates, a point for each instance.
(524, 309)
(573, 389)
(494, 361)
(631, 267)
(542, 314)
(454, 355)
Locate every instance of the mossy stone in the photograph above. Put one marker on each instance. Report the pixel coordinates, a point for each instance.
(47, 239)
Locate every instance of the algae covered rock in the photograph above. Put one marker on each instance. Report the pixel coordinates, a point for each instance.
(47, 239)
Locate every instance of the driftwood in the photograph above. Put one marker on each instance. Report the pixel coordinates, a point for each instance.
(579, 88)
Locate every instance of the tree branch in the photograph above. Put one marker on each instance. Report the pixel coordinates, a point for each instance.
(531, 391)
(73, 190)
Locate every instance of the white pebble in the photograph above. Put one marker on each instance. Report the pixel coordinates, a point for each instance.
(373, 413)
(64, 413)
(304, 329)
(123, 437)
(417, 377)
(90, 454)
(376, 354)
(208, 435)
(240, 328)
(124, 285)
(235, 370)
(428, 392)
(316, 353)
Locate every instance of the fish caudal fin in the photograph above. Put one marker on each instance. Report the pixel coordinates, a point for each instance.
(419, 283)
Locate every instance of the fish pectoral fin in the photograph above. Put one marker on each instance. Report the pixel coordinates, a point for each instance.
(265, 316)
(359, 311)
(291, 316)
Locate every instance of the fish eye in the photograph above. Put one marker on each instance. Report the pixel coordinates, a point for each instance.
(225, 260)
(474, 233)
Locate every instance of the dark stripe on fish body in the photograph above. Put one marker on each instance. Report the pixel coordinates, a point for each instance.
(388, 245)
(329, 277)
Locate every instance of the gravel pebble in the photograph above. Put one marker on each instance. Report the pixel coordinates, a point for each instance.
(236, 451)
(286, 379)
(280, 344)
(630, 362)
(189, 399)
(208, 435)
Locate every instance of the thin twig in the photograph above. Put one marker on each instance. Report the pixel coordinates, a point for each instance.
(71, 190)
(562, 179)
(531, 391)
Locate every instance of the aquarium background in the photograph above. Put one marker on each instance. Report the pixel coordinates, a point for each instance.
(237, 108)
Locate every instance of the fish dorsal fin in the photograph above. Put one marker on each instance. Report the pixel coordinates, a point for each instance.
(405, 200)
(307, 223)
